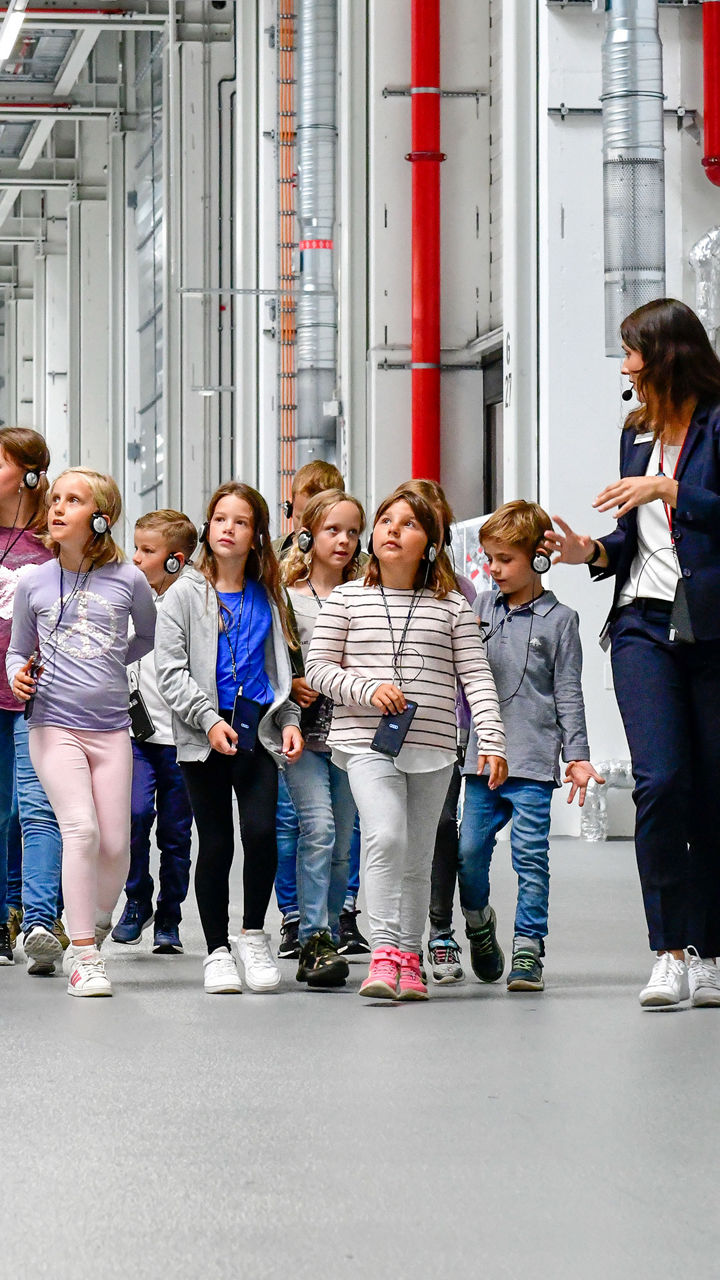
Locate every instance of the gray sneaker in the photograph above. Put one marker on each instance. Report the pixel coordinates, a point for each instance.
(445, 963)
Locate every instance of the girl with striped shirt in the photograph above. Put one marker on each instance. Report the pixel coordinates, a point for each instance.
(402, 635)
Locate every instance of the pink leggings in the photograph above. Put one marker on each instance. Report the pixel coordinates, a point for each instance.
(87, 776)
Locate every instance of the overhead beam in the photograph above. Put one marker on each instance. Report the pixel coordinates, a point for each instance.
(76, 59)
(34, 146)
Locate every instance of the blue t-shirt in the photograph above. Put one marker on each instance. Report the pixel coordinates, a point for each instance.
(246, 625)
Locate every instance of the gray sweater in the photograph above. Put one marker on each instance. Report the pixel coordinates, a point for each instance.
(186, 643)
(538, 676)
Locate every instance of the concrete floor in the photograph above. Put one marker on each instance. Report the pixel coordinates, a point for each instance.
(164, 1133)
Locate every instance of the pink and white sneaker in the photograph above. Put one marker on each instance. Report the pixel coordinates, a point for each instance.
(382, 980)
(87, 974)
(411, 984)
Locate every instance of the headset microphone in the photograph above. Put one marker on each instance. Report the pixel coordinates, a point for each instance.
(627, 394)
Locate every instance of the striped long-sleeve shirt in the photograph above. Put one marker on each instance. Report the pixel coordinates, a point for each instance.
(351, 654)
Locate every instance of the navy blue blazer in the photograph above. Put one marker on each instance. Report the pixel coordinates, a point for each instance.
(695, 520)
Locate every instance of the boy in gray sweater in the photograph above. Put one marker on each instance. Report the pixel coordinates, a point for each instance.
(533, 647)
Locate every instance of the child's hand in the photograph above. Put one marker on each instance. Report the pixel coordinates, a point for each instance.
(578, 773)
(223, 738)
(292, 743)
(302, 693)
(498, 770)
(24, 684)
(389, 699)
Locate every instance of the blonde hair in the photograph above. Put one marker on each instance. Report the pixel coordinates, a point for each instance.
(102, 548)
(297, 564)
(519, 523)
(27, 448)
(175, 528)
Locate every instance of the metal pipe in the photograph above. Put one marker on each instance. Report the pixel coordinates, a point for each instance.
(316, 315)
(633, 165)
(711, 79)
(425, 158)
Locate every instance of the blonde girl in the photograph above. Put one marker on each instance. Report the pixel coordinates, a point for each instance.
(67, 662)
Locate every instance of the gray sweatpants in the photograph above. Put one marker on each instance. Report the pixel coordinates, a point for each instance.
(399, 814)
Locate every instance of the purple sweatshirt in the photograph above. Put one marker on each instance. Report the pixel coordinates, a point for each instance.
(84, 682)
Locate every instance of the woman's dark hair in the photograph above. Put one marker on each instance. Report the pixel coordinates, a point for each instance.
(679, 363)
(437, 575)
(261, 564)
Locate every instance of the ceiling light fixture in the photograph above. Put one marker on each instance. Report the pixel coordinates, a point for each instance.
(10, 28)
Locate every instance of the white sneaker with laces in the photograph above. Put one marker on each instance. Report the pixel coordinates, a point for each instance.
(444, 954)
(257, 960)
(220, 975)
(668, 983)
(704, 980)
(42, 949)
(87, 974)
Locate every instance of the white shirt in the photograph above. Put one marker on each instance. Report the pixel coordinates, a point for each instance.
(655, 569)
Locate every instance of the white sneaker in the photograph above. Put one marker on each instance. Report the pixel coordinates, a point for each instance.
(668, 983)
(220, 975)
(87, 974)
(704, 980)
(257, 960)
(42, 949)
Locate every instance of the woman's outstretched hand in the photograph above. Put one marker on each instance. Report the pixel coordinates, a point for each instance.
(569, 547)
(634, 491)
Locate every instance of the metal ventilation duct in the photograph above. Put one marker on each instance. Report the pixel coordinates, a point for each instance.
(633, 165)
(316, 316)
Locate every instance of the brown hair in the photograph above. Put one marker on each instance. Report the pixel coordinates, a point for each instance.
(437, 575)
(28, 449)
(174, 527)
(297, 565)
(679, 363)
(316, 476)
(261, 564)
(102, 547)
(519, 523)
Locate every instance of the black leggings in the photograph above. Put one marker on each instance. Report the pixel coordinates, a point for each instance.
(210, 784)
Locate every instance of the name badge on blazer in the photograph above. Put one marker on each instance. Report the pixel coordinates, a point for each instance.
(644, 438)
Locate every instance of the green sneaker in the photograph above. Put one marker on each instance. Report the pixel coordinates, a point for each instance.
(320, 965)
(15, 919)
(486, 957)
(526, 973)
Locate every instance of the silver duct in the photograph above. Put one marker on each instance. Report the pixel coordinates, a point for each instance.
(316, 315)
(633, 165)
(704, 259)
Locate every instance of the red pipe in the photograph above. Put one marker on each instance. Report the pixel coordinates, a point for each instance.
(711, 72)
(426, 158)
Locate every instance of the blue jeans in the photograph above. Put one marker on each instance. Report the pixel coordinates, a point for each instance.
(325, 810)
(353, 887)
(14, 856)
(157, 782)
(42, 844)
(287, 829)
(485, 812)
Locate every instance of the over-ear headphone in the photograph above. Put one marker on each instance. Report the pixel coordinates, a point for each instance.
(431, 553)
(287, 508)
(99, 523)
(305, 541)
(203, 531)
(541, 561)
(172, 564)
(31, 479)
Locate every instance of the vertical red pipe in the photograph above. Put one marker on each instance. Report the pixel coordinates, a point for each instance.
(426, 159)
(711, 70)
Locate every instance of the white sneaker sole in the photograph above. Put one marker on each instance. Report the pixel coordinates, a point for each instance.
(45, 948)
(6, 960)
(448, 979)
(89, 991)
(660, 999)
(226, 989)
(709, 1000)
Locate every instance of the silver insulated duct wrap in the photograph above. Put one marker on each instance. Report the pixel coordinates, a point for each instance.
(633, 166)
(316, 316)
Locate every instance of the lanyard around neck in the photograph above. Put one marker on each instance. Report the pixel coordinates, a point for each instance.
(398, 651)
(317, 597)
(232, 648)
(666, 508)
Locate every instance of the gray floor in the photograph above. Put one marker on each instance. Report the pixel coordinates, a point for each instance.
(166, 1133)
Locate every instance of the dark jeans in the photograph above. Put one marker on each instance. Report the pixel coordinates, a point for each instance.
(210, 784)
(669, 699)
(445, 862)
(158, 783)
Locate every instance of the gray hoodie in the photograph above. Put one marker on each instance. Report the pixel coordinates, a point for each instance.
(185, 662)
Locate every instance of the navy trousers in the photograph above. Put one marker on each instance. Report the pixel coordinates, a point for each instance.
(158, 785)
(669, 698)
